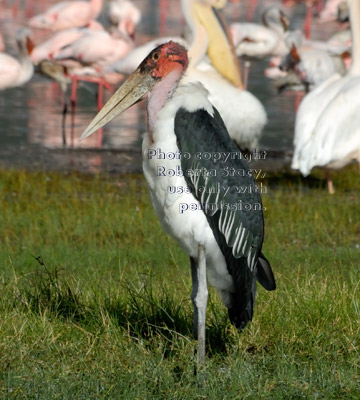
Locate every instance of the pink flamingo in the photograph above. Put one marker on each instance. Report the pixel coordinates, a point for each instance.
(86, 58)
(67, 14)
(60, 74)
(51, 47)
(16, 72)
(101, 83)
(125, 15)
(96, 50)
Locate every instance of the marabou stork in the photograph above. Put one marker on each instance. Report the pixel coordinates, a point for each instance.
(221, 229)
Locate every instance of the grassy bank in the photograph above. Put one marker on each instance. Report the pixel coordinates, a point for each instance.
(95, 297)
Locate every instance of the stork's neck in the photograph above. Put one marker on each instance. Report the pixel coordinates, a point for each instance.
(160, 94)
(355, 31)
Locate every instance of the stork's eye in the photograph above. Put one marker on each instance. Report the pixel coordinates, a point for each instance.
(156, 56)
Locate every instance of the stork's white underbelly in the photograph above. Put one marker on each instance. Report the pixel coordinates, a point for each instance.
(189, 227)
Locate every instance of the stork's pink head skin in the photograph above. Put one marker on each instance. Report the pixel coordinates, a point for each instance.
(163, 60)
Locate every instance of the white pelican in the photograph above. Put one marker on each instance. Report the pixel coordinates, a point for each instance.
(242, 112)
(327, 128)
(16, 72)
(259, 41)
(195, 195)
(313, 65)
(312, 61)
(125, 15)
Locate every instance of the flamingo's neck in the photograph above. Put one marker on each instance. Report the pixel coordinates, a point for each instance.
(355, 31)
(27, 67)
(96, 6)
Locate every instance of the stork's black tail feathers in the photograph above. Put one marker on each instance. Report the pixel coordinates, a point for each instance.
(264, 273)
(243, 300)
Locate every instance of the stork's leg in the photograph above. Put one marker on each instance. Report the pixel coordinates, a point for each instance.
(199, 297)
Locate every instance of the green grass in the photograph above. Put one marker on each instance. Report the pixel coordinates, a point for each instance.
(95, 300)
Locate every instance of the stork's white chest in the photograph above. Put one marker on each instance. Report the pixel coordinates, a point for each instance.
(178, 210)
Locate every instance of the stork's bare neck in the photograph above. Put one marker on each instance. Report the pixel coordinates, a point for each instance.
(161, 92)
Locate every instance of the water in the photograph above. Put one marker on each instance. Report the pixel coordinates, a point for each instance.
(31, 116)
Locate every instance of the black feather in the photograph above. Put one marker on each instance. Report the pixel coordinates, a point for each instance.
(264, 273)
(199, 133)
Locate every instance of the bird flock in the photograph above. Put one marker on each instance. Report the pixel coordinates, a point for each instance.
(95, 40)
(214, 207)
(199, 107)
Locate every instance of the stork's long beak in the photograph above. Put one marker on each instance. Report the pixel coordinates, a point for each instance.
(131, 91)
(221, 50)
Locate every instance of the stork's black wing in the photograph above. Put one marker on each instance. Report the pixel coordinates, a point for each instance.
(221, 181)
